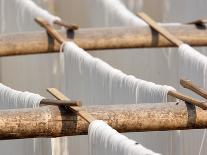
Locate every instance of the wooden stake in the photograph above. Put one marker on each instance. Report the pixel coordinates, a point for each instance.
(50, 30)
(198, 22)
(198, 90)
(57, 94)
(159, 29)
(188, 99)
(67, 26)
(59, 103)
(79, 110)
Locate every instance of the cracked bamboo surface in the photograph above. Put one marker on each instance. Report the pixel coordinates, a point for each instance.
(54, 121)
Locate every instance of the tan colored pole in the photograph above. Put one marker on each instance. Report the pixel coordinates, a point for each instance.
(54, 121)
(100, 38)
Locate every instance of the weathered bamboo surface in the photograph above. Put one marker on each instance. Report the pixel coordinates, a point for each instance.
(53, 121)
(101, 38)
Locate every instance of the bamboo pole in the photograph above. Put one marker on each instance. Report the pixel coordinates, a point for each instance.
(54, 121)
(100, 38)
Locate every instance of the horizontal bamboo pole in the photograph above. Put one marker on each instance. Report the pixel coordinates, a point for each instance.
(101, 38)
(54, 121)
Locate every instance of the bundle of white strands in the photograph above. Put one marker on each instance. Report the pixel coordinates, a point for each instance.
(11, 99)
(104, 140)
(23, 14)
(117, 14)
(94, 81)
(28, 6)
(192, 65)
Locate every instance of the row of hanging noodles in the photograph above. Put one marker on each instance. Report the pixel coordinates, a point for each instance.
(119, 12)
(96, 82)
(25, 11)
(121, 15)
(12, 99)
(104, 140)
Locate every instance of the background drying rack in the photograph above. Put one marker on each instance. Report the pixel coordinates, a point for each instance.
(67, 118)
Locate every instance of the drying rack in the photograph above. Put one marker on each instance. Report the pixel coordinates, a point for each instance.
(63, 117)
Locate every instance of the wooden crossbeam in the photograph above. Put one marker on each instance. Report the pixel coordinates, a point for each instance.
(160, 29)
(67, 26)
(59, 103)
(79, 110)
(201, 104)
(50, 30)
(195, 88)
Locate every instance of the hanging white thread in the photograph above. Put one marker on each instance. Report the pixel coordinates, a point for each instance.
(24, 12)
(104, 140)
(12, 99)
(202, 142)
(116, 14)
(192, 65)
(89, 77)
(35, 11)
